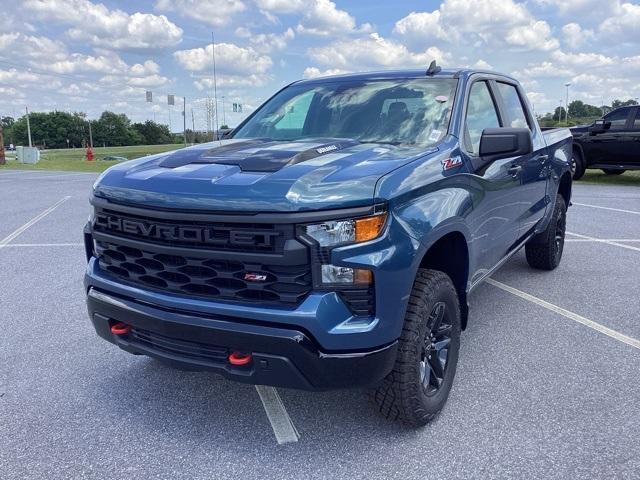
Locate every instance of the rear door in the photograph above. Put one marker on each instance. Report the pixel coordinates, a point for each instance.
(533, 172)
(494, 221)
(634, 148)
(612, 147)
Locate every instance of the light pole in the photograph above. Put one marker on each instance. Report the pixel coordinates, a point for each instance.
(566, 116)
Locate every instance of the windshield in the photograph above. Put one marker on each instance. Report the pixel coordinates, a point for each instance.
(398, 112)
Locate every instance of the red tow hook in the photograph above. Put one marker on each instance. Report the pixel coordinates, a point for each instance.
(238, 359)
(120, 328)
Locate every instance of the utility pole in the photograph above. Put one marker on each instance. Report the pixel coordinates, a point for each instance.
(215, 84)
(3, 160)
(184, 119)
(29, 127)
(567, 104)
(224, 117)
(193, 127)
(90, 136)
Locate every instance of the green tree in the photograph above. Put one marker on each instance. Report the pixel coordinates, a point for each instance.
(52, 129)
(113, 130)
(626, 103)
(153, 133)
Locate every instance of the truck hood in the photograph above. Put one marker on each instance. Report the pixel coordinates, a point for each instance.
(257, 175)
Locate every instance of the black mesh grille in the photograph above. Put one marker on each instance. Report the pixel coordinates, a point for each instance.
(183, 348)
(205, 277)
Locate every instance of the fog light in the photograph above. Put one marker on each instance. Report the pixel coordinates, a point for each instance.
(332, 274)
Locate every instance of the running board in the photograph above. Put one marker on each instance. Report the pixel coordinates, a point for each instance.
(500, 263)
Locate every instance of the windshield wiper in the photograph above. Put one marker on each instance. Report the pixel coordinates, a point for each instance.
(380, 142)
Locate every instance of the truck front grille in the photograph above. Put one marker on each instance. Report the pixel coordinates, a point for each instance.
(209, 278)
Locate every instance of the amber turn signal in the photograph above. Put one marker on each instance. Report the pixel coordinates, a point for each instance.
(370, 227)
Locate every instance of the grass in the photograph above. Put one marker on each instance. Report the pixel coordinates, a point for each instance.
(73, 159)
(630, 177)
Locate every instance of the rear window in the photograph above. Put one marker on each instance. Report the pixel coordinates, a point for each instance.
(513, 104)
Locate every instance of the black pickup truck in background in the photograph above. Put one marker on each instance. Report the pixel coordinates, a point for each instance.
(611, 143)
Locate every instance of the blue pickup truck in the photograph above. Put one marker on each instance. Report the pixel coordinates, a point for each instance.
(333, 239)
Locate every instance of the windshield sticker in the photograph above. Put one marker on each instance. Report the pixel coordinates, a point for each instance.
(434, 136)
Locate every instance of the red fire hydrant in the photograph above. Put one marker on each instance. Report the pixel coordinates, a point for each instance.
(89, 154)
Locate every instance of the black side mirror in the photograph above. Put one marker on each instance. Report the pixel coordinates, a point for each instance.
(497, 143)
(599, 126)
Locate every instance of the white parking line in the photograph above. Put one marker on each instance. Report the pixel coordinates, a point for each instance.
(566, 313)
(14, 234)
(632, 240)
(606, 208)
(608, 242)
(19, 245)
(281, 423)
(34, 177)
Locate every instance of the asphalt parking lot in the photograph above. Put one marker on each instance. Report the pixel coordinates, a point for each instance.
(548, 384)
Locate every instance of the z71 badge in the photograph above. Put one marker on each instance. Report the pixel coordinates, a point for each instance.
(450, 163)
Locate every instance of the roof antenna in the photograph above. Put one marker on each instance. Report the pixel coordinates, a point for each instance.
(433, 69)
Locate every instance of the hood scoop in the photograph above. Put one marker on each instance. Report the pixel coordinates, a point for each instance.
(259, 155)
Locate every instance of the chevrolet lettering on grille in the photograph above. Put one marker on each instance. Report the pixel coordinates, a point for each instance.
(208, 235)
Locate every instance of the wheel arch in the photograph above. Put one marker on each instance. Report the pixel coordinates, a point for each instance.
(450, 254)
(564, 187)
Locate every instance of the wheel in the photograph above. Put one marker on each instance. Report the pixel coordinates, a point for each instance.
(419, 384)
(577, 165)
(544, 251)
(610, 171)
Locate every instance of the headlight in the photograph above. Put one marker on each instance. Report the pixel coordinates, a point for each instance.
(338, 232)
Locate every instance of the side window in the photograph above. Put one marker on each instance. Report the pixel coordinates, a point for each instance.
(636, 123)
(618, 118)
(513, 105)
(294, 115)
(481, 114)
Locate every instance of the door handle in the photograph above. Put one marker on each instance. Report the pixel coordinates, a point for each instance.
(515, 170)
(543, 158)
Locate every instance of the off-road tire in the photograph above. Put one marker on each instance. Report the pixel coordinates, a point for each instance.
(544, 251)
(578, 166)
(402, 394)
(611, 171)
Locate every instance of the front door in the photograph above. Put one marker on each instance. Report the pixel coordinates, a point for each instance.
(494, 220)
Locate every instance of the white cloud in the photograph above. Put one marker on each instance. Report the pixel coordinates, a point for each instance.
(574, 36)
(477, 23)
(421, 26)
(142, 69)
(282, 6)
(534, 36)
(323, 18)
(543, 70)
(374, 51)
(315, 72)
(582, 60)
(267, 42)
(212, 12)
(623, 26)
(230, 58)
(100, 26)
(32, 48)
(78, 62)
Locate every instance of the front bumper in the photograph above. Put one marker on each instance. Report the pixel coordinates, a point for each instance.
(282, 356)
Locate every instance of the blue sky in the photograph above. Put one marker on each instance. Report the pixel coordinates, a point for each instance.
(79, 55)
